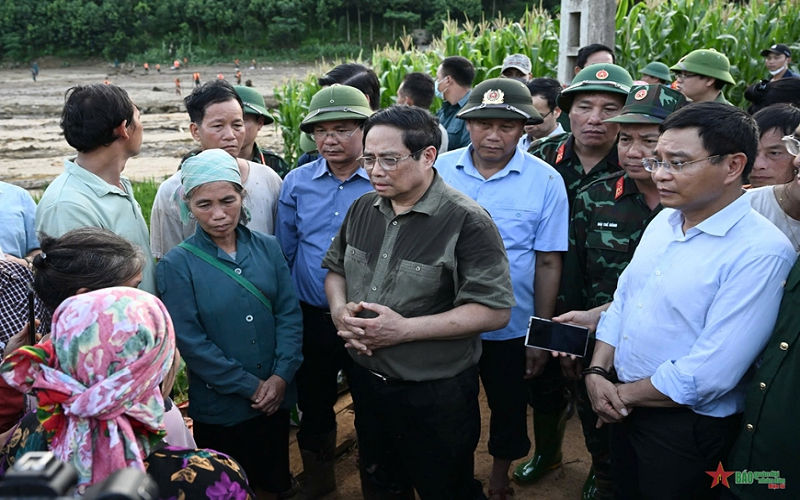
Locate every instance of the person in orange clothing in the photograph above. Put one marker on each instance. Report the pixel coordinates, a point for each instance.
(177, 86)
(146, 68)
(158, 68)
(220, 76)
(196, 77)
(238, 77)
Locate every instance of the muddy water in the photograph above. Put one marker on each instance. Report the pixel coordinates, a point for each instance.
(32, 147)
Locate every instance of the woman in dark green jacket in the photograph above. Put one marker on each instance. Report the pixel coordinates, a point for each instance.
(241, 339)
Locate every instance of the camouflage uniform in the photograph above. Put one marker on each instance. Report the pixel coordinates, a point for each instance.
(608, 219)
(558, 151)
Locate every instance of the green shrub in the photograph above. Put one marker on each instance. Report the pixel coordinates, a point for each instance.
(145, 193)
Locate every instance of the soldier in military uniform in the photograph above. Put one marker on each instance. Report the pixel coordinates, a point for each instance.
(702, 73)
(608, 219)
(598, 92)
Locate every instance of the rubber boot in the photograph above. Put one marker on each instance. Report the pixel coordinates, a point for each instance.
(589, 488)
(548, 434)
(318, 469)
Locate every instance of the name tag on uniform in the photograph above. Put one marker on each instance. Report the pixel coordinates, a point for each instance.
(609, 225)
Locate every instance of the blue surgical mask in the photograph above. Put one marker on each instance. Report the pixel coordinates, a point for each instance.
(439, 93)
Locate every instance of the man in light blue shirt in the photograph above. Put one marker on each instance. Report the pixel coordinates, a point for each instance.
(691, 312)
(527, 200)
(17, 232)
(313, 202)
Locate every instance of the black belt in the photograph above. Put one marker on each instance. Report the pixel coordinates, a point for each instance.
(309, 309)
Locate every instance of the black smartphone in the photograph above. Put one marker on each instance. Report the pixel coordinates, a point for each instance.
(31, 315)
(552, 336)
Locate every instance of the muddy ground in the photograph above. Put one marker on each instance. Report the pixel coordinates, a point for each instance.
(32, 150)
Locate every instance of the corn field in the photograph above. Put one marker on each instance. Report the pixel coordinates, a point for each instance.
(653, 30)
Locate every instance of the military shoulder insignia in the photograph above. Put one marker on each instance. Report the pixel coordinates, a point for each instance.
(641, 94)
(493, 96)
(560, 154)
(602, 74)
(620, 188)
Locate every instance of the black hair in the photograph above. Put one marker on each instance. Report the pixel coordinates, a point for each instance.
(766, 93)
(92, 112)
(460, 69)
(419, 127)
(341, 73)
(723, 129)
(367, 82)
(420, 88)
(87, 257)
(213, 92)
(784, 117)
(547, 88)
(718, 84)
(585, 52)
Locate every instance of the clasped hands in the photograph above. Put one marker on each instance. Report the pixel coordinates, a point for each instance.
(366, 335)
(269, 395)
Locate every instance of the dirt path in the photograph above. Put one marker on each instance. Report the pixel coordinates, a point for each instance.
(32, 148)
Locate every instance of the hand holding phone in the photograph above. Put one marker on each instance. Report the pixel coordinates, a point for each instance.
(558, 337)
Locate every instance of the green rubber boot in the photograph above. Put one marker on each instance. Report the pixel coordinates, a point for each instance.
(589, 488)
(548, 434)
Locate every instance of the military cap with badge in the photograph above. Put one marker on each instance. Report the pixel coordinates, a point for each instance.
(502, 98)
(649, 104)
(706, 62)
(604, 77)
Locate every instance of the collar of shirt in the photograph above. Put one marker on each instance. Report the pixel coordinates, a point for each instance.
(321, 169)
(557, 131)
(243, 237)
(427, 205)
(716, 225)
(460, 104)
(94, 182)
(515, 164)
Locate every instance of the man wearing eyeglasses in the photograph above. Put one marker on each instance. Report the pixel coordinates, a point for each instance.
(702, 74)
(528, 202)
(313, 202)
(417, 273)
(691, 313)
(608, 219)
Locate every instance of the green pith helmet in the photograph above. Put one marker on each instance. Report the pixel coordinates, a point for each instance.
(649, 104)
(502, 98)
(604, 77)
(657, 70)
(337, 102)
(307, 143)
(253, 102)
(706, 62)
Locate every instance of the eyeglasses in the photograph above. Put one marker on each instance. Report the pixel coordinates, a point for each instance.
(339, 135)
(387, 163)
(683, 76)
(792, 144)
(653, 164)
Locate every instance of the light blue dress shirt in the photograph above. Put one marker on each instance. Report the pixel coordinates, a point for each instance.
(17, 221)
(693, 311)
(311, 208)
(528, 203)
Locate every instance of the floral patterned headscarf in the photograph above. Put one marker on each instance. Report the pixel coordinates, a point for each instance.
(97, 379)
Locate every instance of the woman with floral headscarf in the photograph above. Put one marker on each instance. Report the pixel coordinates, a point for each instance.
(237, 321)
(97, 382)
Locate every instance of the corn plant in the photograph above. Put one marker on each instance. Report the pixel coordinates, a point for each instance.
(653, 30)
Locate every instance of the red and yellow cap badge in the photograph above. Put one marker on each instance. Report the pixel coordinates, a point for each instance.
(602, 74)
(641, 94)
(493, 96)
